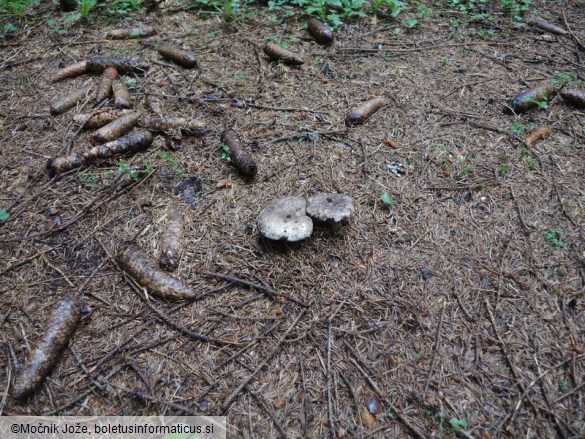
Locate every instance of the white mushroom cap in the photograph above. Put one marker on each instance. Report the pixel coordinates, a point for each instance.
(286, 219)
(330, 208)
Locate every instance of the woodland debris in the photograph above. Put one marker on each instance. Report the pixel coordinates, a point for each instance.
(69, 101)
(157, 282)
(153, 104)
(122, 97)
(115, 129)
(285, 219)
(123, 65)
(390, 142)
(366, 418)
(277, 53)
(545, 26)
(536, 135)
(133, 142)
(574, 97)
(104, 90)
(366, 110)
(98, 120)
(238, 155)
(79, 68)
(183, 57)
(320, 32)
(171, 242)
(146, 30)
(58, 330)
(154, 123)
(529, 99)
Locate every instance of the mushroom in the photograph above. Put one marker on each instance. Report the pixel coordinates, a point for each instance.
(330, 208)
(285, 219)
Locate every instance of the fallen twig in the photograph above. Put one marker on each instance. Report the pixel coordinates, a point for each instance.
(271, 292)
(381, 395)
(268, 358)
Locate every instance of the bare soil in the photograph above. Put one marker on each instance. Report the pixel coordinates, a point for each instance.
(450, 306)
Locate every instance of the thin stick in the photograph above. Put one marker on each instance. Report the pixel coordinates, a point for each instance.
(58, 270)
(272, 293)
(264, 406)
(435, 347)
(575, 38)
(381, 395)
(186, 331)
(511, 418)
(24, 261)
(268, 358)
(571, 393)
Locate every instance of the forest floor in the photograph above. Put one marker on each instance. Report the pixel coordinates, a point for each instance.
(456, 303)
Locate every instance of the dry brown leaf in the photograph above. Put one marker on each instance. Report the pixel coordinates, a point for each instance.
(366, 418)
(390, 142)
(536, 135)
(224, 184)
(279, 403)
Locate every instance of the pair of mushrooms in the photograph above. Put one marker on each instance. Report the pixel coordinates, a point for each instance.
(289, 218)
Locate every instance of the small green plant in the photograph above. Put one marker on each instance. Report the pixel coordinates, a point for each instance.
(431, 415)
(516, 8)
(225, 155)
(4, 215)
(85, 6)
(122, 8)
(87, 180)
(563, 386)
(519, 129)
(503, 157)
(464, 172)
(542, 103)
(55, 27)
(562, 272)
(387, 200)
(167, 157)
(16, 8)
(411, 22)
(466, 6)
(445, 61)
(553, 237)
(531, 161)
(391, 7)
(134, 173)
(459, 424)
(503, 170)
(230, 9)
(8, 29)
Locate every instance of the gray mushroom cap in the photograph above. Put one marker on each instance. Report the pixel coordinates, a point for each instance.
(286, 219)
(330, 208)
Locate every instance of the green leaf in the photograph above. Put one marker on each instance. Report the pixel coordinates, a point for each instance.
(9, 27)
(72, 17)
(553, 237)
(387, 200)
(4, 215)
(411, 22)
(459, 424)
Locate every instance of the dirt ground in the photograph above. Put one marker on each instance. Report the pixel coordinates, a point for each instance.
(454, 306)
